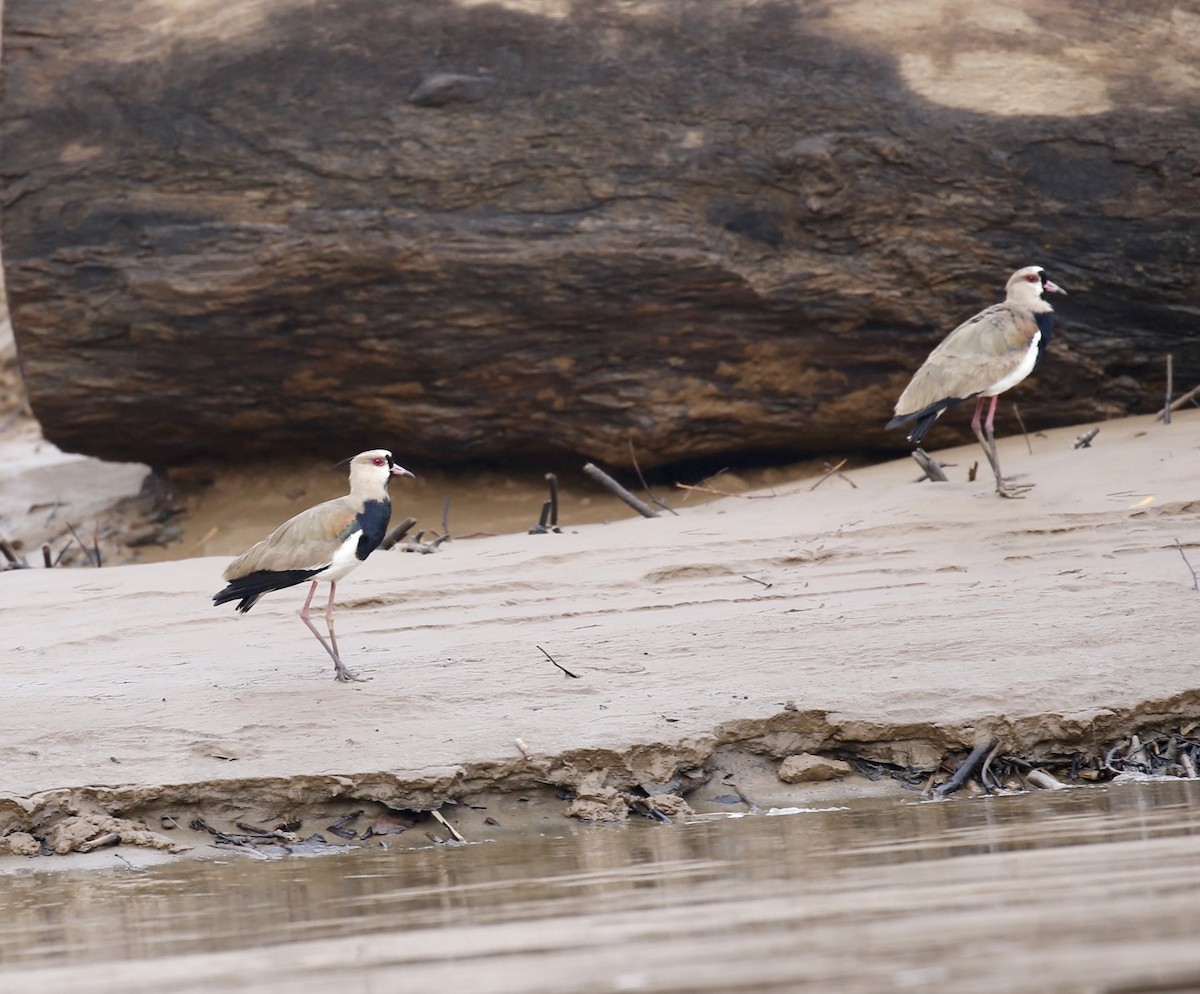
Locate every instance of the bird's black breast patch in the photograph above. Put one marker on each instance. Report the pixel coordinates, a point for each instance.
(1045, 323)
(373, 520)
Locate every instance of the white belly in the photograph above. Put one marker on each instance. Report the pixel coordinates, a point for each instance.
(1028, 360)
(344, 560)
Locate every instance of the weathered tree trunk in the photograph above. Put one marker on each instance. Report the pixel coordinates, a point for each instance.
(469, 230)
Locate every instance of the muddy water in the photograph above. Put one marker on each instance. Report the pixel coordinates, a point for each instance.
(1094, 889)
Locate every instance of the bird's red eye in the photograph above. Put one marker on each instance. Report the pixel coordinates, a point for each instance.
(1033, 279)
(379, 461)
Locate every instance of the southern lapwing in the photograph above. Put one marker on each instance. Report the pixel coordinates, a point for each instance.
(321, 544)
(981, 358)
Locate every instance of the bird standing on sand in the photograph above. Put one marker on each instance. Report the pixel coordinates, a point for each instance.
(321, 544)
(984, 356)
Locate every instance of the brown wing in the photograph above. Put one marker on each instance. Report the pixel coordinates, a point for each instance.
(306, 541)
(974, 356)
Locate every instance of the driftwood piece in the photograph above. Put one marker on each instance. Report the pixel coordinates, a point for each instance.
(10, 553)
(965, 769)
(933, 468)
(100, 842)
(397, 533)
(1084, 441)
(1166, 409)
(418, 544)
(341, 827)
(985, 770)
(548, 520)
(552, 512)
(1178, 402)
(1040, 778)
(606, 481)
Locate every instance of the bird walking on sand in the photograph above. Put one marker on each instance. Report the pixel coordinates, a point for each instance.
(321, 544)
(981, 358)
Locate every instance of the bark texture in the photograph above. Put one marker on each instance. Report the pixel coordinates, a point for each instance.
(490, 230)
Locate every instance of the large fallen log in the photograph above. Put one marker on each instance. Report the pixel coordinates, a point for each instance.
(464, 230)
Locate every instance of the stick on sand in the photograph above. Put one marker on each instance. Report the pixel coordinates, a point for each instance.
(606, 481)
(933, 468)
(1179, 401)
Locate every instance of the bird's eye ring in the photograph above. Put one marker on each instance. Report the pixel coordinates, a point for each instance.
(1034, 278)
(379, 460)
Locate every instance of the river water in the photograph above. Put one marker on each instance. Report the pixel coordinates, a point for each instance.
(1092, 889)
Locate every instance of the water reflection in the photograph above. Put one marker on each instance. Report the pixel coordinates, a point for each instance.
(751, 882)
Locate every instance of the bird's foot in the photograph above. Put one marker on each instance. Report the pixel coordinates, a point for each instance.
(1013, 491)
(343, 675)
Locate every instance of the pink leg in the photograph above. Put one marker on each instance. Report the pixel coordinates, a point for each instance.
(988, 428)
(991, 418)
(987, 438)
(975, 417)
(989, 446)
(340, 673)
(329, 619)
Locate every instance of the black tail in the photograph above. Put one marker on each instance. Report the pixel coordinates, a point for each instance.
(249, 588)
(924, 419)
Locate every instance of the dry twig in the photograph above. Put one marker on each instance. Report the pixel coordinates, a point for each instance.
(86, 551)
(696, 488)
(645, 485)
(574, 676)
(606, 481)
(1166, 411)
(1179, 546)
(450, 828)
(1017, 415)
(830, 471)
(1182, 399)
(1084, 441)
(208, 537)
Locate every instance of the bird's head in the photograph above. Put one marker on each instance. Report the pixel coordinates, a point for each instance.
(1027, 285)
(377, 465)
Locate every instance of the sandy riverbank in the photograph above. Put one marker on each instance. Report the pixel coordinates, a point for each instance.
(896, 621)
